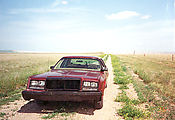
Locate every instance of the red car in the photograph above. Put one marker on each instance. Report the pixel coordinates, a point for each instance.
(72, 78)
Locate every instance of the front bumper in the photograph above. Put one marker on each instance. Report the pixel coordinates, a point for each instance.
(61, 95)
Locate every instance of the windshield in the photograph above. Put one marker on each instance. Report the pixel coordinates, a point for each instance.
(79, 63)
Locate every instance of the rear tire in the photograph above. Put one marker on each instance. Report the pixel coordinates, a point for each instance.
(98, 104)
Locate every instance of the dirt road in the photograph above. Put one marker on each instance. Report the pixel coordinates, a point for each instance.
(29, 110)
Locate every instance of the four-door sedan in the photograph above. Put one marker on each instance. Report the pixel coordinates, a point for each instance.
(72, 78)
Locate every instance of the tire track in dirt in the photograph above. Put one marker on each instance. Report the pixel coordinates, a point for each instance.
(29, 110)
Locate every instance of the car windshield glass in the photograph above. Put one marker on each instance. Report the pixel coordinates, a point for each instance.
(80, 63)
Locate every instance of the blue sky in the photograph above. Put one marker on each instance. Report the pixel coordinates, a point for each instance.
(117, 26)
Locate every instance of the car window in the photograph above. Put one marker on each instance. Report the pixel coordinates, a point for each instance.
(79, 63)
(59, 64)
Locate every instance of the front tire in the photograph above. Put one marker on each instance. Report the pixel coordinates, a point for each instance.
(106, 85)
(98, 104)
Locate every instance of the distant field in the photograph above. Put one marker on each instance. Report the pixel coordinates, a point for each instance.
(16, 68)
(157, 70)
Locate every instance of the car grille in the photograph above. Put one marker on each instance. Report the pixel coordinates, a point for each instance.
(63, 83)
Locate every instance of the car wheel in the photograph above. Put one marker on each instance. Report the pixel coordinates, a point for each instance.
(106, 85)
(98, 104)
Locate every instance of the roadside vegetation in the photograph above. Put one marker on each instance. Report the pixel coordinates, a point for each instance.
(154, 85)
(156, 70)
(130, 109)
(104, 56)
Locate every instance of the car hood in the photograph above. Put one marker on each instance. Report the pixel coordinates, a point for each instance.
(85, 74)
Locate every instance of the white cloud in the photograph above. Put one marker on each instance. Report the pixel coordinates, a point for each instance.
(64, 2)
(122, 15)
(126, 15)
(145, 17)
(58, 2)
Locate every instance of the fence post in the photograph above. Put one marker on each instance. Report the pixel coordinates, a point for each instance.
(172, 57)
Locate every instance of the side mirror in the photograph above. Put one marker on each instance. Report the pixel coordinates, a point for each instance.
(104, 69)
(51, 67)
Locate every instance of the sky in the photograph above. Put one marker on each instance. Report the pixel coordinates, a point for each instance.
(113, 26)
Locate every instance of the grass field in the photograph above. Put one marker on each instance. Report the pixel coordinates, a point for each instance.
(16, 68)
(157, 85)
(157, 70)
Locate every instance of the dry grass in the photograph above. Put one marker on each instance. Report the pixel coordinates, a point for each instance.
(157, 70)
(156, 89)
(15, 69)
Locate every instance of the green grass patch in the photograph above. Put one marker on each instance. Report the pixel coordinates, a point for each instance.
(120, 72)
(2, 114)
(49, 116)
(122, 97)
(64, 110)
(65, 114)
(10, 99)
(129, 112)
(143, 75)
(12, 96)
(56, 112)
(121, 78)
(123, 86)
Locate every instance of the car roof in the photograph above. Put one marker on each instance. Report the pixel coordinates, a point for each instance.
(90, 57)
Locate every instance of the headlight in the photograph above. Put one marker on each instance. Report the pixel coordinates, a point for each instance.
(33, 82)
(90, 86)
(86, 84)
(37, 84)
(94, 84)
